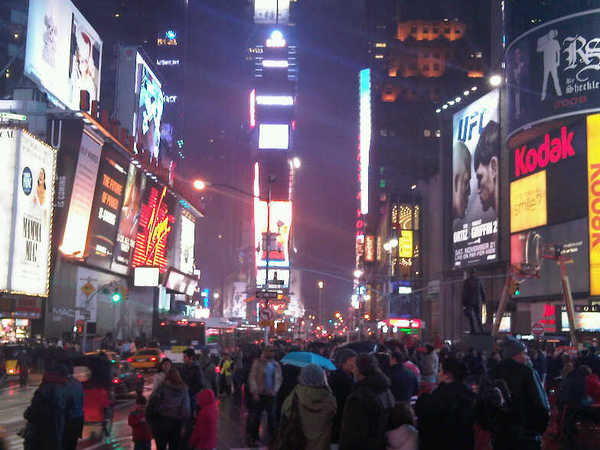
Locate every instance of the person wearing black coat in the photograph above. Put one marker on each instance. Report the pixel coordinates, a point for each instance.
(404, 382)
(528, 413)
(73, 413)
(447, 415)
(341, 383)
(367, 409)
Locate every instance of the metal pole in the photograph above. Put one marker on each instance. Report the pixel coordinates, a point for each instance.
(568, 300)
(270, 180)
(321, 305)
(84, 338)
(502, 304)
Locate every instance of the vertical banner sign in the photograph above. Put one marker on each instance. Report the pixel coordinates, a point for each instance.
(593, 135)
(364, 137)
(474, 187)
(27, 202)
(82, 195)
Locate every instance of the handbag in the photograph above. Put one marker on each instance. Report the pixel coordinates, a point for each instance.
(290, 435)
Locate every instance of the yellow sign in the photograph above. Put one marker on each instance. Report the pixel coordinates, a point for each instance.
(528, 202)
(405, 244)
(593, 142)
(88, 288)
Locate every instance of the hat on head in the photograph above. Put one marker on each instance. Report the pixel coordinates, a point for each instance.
(344, 355)
(512, 347)
(313, 376)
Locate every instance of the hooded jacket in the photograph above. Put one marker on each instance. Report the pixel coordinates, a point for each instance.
(205, 431)
(174, 401)
(366, 414)
(405, 437)
(342, 385)
(256, 379)
(317, 409)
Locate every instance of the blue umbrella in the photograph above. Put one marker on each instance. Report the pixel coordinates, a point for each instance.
(301, 359)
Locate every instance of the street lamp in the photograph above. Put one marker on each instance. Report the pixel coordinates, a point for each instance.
(199, 185)
(297, 163)
(358, 273)
(320, 285)
(216, 295)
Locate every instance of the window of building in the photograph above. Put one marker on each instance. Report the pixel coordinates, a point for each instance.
(425, 29)
(446, 30)
(426, 67)
(438, 133)
(436, 30)
(427, 133)
(413, 29)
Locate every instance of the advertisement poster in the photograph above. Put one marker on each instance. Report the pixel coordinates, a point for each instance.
(82, 195)
(237, 306)
(552, 71)
(528, 202)
(281, 220)
(272, 11)
(36, 167)
(108, 199)
(593, 135)
(63, 52)
(475, 174)
(129, 220)
(8, 144)
(526, 250)
(188, 229)
(150, 101)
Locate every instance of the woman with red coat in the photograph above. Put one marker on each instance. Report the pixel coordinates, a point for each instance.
(204, 436)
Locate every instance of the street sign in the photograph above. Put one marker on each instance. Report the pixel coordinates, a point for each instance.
(266, 323)
(277, 282)
(266, 314)
(88, 288)
(266, 294)
(537, 329)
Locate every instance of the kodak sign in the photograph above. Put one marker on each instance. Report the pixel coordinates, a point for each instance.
(553, 150)
(593, 171)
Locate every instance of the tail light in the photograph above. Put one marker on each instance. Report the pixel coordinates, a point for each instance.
(11, 371)
(130, 359)
(115, 380)
(140, 376)
(218, 369)
(153, 359)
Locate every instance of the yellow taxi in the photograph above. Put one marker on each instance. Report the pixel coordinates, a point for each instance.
(112, 356)
(10, 355)
(146, 358)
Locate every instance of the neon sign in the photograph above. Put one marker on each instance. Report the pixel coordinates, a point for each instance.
(155, 225)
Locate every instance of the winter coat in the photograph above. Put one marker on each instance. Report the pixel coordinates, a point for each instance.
(205, 431)
(73, 400)
(592, 387)
(256, 379)
(140, 429)
(404, 383)
(430, 364)
(172, 401)
(317, 409)
(46, 414)
(405, 437)
(95, 401)
(342, 385)
(158, 378)
(529, 408)
(194, 378)
(366, 414)
(446, 418)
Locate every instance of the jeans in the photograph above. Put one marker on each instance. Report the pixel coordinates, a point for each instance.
(168, 433)
(142, 445)
(264, 403)
(72, 433)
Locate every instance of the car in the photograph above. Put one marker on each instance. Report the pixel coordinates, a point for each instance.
(10, 354)
(125, 379)
(146, 358)
(112, 356)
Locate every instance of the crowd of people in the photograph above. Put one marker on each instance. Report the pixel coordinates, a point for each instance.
(399, 397)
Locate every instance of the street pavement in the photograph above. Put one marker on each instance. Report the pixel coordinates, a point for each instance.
(15, 399)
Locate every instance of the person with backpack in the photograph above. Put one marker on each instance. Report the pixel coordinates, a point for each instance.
(367, 409)
(517, 418)
(447, 415)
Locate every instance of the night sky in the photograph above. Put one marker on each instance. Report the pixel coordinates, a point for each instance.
(330, 50)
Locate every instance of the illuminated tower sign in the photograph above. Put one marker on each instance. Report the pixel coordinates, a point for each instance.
(364, 137)
(155, 225)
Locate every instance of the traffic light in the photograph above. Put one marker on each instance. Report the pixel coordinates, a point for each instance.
(515, 288)
(116, 297)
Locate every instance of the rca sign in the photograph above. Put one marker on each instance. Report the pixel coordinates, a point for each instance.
(593, 138)
(551, 151)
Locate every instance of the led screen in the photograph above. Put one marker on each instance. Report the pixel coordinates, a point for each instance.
(63, 52)
(364, 137)
(281, 275)
(272, 11)
(281, 220)
(474, 185)
(150, 101)
(273, 136)
(186, 262)
(528, 202)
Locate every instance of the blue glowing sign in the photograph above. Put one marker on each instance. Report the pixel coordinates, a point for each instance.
(170, 34)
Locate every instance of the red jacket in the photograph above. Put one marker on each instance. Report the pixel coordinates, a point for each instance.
(140, 430)
(205, 431)
(592, 387)
(95, 400)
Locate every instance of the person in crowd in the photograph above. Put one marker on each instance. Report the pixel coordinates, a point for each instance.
(540, 363)
(168, 410)
(289, 380)
(204, 434)
(73, 412)
(404, 382)
(141, 433)
(341, 382)
(528, 410)
(366, 413)
(23, 367)
(264, 382)
(592, 384)
(316, 405)
(410, 365)
(209, 372)
(430, 365)
(46, 414)
(192, 375)
(402, 434)
(163, 369)
(383, 359)
(493, 361)
(227, 373)
(447, 415)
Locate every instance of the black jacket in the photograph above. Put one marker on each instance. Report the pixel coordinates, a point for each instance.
(473, 294)
(446, 418)
(404, 383)
(194, 378)
(529, 409)
(342, 385)
(366, 414)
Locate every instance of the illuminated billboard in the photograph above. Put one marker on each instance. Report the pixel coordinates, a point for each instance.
(593, 172)
(278, 245)
(154, 228)
(150, 101)
(528, 202)
(273, 136)
(475, 175)
(281, 275)
(272, 12)
(63, 52)
(364, 138)
(26, 212)
(186, 256)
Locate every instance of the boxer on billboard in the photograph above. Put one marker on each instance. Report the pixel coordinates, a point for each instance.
(461, 179)
(485, 163)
